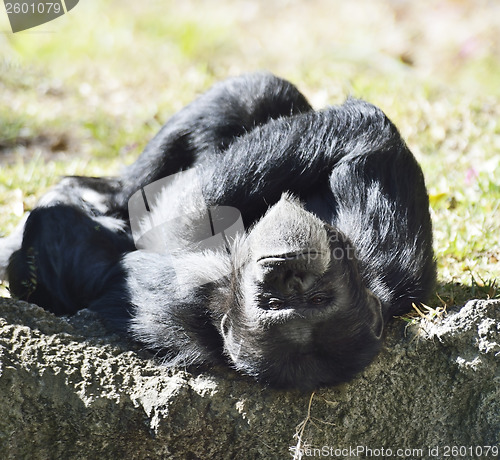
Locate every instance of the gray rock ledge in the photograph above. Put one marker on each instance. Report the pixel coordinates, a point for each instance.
(70, 391)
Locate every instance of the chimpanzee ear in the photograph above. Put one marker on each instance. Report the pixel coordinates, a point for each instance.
(377, 321)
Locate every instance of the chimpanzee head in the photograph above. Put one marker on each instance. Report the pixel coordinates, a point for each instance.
(301, 315)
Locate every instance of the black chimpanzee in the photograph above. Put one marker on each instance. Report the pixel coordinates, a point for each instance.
(338, 237)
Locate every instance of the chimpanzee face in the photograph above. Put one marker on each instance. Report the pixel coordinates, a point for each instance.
(301, 314)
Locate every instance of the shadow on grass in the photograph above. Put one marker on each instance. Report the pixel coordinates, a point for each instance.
(449, 294)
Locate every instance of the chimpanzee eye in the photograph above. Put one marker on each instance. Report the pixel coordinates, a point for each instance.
(318, 299)
(275, 304)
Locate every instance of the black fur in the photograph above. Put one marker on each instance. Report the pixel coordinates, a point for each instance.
(338, 237)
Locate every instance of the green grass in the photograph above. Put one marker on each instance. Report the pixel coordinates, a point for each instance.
(84, 93)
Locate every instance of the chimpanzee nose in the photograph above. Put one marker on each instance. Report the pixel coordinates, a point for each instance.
(296, 282)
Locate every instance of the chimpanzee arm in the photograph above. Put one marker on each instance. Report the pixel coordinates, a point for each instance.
(210, 124)
(295, 154)
(381, 204)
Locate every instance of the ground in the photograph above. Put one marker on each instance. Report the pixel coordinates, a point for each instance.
(84, 93)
